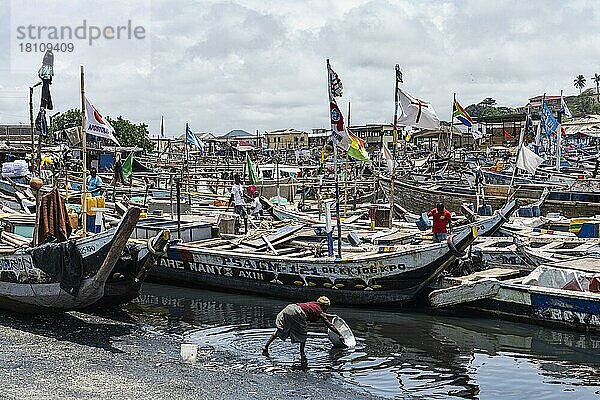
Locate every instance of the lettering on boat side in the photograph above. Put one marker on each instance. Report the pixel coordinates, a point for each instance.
(221, 265)
(15, 264)
(84, 250)
(220, 270)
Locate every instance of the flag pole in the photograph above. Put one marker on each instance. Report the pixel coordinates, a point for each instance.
(541, 112)
(395, 144)
(346, 174)
(84, 153)
(335, 172)
(558, 133)
(187, 163)
(521, 140)
(451, 143)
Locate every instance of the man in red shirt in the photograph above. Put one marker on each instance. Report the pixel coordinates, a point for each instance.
(292, 322)
(442, 222)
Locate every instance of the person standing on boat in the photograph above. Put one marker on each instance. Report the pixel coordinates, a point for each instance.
(291, 322)
(442, 222)
(94, 183)
(237, 198)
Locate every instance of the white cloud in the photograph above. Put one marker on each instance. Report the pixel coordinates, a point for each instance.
(260, 64)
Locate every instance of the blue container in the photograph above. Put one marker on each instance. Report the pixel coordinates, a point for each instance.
(537, 212)
(90, 224)
(485, 210)
(526, 211)
(589, 230)
(423, 223)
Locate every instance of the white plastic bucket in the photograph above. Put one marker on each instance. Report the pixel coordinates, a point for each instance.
(342, 326)
(189, 352)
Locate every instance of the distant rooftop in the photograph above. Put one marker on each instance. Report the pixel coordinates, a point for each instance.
(237, 133)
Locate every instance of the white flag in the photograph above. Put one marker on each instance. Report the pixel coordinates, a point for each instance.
(528, 160)
(96, 125)
(564, 110)
(477, 134)
(388, 158)
(417, 113)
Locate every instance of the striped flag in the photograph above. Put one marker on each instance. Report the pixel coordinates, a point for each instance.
(336, 89)
(338, 132)
(399, 74)
(460, 114)
(357, 148)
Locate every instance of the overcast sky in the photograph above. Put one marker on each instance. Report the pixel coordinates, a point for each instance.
(260, 64)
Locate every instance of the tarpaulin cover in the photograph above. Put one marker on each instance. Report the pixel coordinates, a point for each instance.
(63, 262)
(560, 278)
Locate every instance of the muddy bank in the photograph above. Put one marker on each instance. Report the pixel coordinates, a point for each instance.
(74, 355)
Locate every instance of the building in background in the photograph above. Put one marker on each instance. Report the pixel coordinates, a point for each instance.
(286, 139)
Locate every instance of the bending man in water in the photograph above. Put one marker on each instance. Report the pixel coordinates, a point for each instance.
(292, 322)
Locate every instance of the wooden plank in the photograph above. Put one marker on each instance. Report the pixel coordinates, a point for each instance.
(493, 273)
(465, 293)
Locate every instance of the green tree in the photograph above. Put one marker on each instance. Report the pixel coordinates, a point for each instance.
(67, 119)
(130, 134)
(579, 82)
(596, 80)
(126, 132)
(487, 108)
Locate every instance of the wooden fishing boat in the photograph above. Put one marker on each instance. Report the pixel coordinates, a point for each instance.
(299, 270)
(419, 197)
(550, 295)
(62, 276)
(131, 270)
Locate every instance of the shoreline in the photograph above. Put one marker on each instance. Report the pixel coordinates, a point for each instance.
(75, 355)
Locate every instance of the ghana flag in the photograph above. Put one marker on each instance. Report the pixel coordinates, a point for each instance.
(460, 114)
(357, 148)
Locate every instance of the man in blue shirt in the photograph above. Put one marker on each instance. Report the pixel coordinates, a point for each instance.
(94, 183)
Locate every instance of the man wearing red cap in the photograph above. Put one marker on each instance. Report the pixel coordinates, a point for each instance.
(292, 322)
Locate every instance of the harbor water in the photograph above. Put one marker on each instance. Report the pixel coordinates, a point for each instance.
(400, 353)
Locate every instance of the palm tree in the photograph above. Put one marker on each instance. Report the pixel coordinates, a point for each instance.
(579, 82)
(596, 80)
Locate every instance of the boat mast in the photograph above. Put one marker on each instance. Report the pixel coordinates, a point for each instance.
(519, 147)
(395, 144)
(84, 153)
(335, 170)
(346, 174)
(558, 133)
(451, 142)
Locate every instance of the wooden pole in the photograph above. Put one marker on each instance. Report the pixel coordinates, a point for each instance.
(84, 154)
(451, 144)
(32, 127)
(187, 165)
(346, 173)
(558, 134)
(395, 138)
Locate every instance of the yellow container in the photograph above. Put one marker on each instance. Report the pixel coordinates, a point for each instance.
(73, 220)
(94, 202)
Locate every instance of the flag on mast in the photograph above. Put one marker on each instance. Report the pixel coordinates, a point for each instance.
(357, 148)
(416, 112)
(528, 160)
(389, 160)
(96, 125)
(338, 132)
(549, 123)
(461, 114)
(128, 166)
(564, 110)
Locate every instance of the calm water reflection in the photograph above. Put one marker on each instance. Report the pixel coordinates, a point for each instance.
(399, 353)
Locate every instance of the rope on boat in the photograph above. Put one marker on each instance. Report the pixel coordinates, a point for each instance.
(152, 250)
(453, 249)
